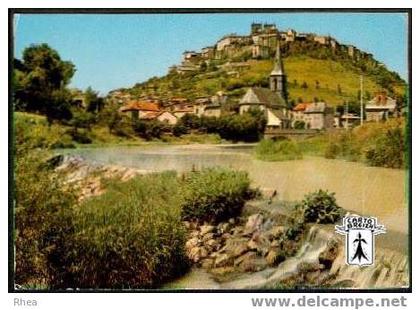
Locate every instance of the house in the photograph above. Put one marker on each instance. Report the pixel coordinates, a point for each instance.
(182, 111)
(381, 107)
(161, 116)
(319, 116)
(272, 101)
(298, 114)
(349, 120)
(212, 110)
(139, 108)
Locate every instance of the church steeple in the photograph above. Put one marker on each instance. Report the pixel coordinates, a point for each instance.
(277, 76)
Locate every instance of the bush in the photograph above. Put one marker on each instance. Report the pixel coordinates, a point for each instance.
(179, 130)
(129, 237)
(214, 195)
(389, 150)
(43, 215)
(270, 150)
(320, 207)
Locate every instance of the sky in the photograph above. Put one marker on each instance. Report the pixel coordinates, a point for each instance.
(112, 51)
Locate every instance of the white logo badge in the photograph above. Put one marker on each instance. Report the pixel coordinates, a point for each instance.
(360, 234)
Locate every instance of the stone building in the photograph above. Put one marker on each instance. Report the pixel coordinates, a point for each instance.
(319, 116)
(380, 108)
(272, 101)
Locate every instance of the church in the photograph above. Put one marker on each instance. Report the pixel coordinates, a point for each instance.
(273, 100)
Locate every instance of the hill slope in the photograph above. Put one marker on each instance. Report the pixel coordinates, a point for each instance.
(313, 72)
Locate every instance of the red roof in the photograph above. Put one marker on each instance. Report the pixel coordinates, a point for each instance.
(140, 106)
(301, 107)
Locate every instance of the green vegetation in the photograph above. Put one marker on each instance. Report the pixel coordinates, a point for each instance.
(129, 237)
(270, 150)
(43, 207)
(328, 78)
(214, 195)
(40, 81)
(376, 144)
(319, 207)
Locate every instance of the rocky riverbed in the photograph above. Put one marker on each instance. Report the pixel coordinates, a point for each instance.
(262, 248)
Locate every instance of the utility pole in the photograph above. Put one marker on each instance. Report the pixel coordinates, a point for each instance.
(347, 115)
(361, 99)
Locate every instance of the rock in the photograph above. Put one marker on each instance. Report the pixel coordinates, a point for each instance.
(204, 229)
(223, 260)
(313, 277)
(275, 243)
(207, 263)
(276, 232)
(328, 256)
(259, 243)
(222, 271)
(194, 254)
(224, 227)
(251, 264)
(191, 243)
(240, 249)
(306, 267)
(232, 221)
(275, 257)
(247, 256)
(208, 237)
(254, 222)
(213, 244)
(232, 245)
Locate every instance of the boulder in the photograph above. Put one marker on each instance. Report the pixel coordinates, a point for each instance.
(247, 256)
(205, 229)
(275, 256)
(240, 249)
(254, 222)
(207, 263)
(276, 232)
(307, 267)
(223, 259)
(213, 244)
(194, 254)
(260, 243)
(330, 253)
(208, 236)
(251, 264)
(191, 243)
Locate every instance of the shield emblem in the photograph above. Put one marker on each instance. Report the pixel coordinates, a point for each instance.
(360, 247)
(360, 239)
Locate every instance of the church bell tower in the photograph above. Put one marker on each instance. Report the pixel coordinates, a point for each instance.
(278, 80)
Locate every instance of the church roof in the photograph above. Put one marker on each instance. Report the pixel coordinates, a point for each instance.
(278, 63)
(264, 96)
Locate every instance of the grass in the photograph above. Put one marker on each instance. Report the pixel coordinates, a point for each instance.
(299, 69)
(381, 144)
(131, 236)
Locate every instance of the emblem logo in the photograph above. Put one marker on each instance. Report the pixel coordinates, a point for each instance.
(360, 235)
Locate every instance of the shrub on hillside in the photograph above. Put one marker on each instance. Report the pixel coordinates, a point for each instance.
(129, 237)
(214, 195)
(270, 150)
(389, 150)
(320, 207)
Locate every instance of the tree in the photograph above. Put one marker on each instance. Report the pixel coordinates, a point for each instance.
(94, 103)
(40, 81)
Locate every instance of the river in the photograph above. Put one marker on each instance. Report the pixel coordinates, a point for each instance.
(364, 190)
(374, 191)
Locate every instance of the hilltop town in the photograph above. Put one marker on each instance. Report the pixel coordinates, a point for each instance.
(272, 96)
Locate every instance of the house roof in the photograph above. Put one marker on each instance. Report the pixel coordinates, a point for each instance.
(140, 106)
(262, 96)
(317, 107)
(381, 101)
(300, 107)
